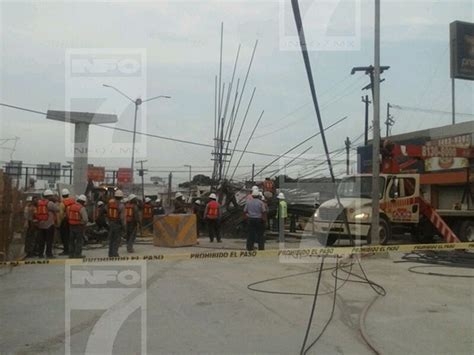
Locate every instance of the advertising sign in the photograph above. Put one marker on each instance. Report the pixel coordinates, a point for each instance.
(462, 50)
(124, 176)
(446, 163)
(96, 173)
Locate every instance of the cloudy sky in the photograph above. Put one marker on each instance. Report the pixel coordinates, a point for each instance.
(176, 44)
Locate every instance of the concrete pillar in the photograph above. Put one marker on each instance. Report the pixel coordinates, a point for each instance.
(81, 144)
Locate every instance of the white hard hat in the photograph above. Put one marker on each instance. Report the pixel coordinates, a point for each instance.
(281, 196)
(29, 198)
(178, 194)
(65, 192)
(118, 193)
(255, 187)
(158, 200)
(82, 198)
(213, 196)
(131, 197)
(147, 199)
(100, 203)
(47, 193)
(255, 193)
(197, 202)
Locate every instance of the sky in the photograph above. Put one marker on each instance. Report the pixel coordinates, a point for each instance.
(176, 44)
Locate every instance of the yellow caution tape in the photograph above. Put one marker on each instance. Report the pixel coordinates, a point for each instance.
(242, 254)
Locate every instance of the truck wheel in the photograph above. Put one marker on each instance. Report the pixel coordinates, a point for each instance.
(331, 239)
(385, 232)
(466, 231)
(424, 232)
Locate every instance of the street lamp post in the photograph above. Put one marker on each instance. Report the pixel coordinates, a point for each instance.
(137, 102)
(190, 178)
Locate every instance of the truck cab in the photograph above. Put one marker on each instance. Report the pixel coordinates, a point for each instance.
(399, 204)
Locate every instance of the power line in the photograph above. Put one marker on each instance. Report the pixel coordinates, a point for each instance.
(426, 110)
(177, 140)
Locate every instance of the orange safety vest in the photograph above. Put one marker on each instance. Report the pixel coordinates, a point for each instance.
(68, 202)
(212, 210)
(42, 213)
(113, 210)
(74, 214)
(129, 212)
(268, 185)
(147, 211)
(97, 213)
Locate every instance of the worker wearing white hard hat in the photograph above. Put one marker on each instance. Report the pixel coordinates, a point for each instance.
(100, 216)
(212, 215)
(116, 217)
(77, 219)
(179, 203)
(66, 202)
(30, 228)
(46, 211)
(282, 213)
(158, 210)
(198, 211)
(252, 191)
(132, 221)
(147, 215)
(256, 213)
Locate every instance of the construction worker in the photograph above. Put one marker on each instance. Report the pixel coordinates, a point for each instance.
(179, 203)
(282, 212)
(147, 221)
(132, 219)
(77, 220)
(212, 215)
(268, 185)
(30, 228)
(256, 213)
(249, 196)
(63, 223)
(158, 209)
(46, 211)
(198, 211)
(115, 216)
(100, 215)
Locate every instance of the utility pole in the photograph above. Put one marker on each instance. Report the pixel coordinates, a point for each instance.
(348, 152)
(366, 101)
(190, 178)
(375, 234)
(389, 122)
(141, 173)
(170, 179)
(253, 173)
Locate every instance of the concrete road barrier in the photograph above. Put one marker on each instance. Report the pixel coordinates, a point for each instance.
(175, 230)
